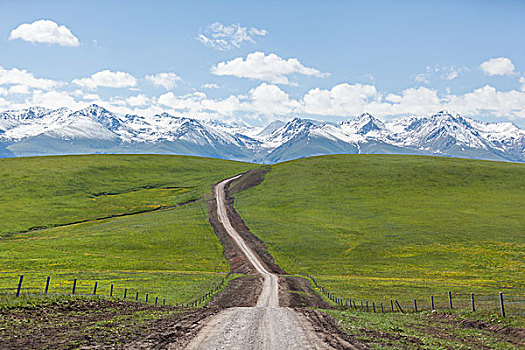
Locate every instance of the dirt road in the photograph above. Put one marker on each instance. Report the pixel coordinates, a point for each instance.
(266, 326)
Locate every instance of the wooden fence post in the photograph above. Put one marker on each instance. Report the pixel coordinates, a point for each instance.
(450, 300)
(47, 285)
(374, 306)
(111, 291)
(125, 292)
(472, 302)
(164, 302)
(382, 310)
(137, 296)
(147, 297)
(399, 306)
(19, 286)
(415, 305)
(367, 305)
(156, 298)
(501, 304)
(95, 288)
(74, 286)
(392, 304)
(432, 302)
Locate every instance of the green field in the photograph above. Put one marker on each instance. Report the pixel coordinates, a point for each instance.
(170, 253)
(378, 227)
(50, 191)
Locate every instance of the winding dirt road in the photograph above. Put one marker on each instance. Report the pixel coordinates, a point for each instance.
(266, 326)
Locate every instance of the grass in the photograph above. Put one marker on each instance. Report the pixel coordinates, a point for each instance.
(172, 253)
(49, 191)
(379, 227)
(429, 331)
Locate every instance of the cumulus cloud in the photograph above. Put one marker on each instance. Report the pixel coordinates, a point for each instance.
(22, 77)
(270, 68)
(522, 82)
(226, 37)
(165, 80)
(498, 66)
(107, 78)
(44, 31)
(341, 100)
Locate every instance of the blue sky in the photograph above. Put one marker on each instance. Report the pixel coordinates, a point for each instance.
(265, 60)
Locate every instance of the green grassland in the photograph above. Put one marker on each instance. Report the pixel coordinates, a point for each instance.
(170, 253)
(378, 227)
(50, 191)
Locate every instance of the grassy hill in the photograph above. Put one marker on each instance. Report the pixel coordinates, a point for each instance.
(170, 252)
(378, 227)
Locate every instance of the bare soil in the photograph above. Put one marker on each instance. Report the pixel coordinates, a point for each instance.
(98, 323)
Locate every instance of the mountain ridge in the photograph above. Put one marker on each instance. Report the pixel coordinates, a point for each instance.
(94, 129)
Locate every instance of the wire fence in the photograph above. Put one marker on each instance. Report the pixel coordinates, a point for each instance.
(501, 303)
(49, 286)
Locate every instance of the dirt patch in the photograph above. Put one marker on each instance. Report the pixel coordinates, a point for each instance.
(173, 332)
(328, 329)
(513, 335)
(241, 292)
(98, 323)
(297, 292)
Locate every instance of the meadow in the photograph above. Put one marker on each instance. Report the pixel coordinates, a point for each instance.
(377, 227)
(172, 253)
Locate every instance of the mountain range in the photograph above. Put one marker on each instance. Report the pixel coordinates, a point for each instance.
(41, 131)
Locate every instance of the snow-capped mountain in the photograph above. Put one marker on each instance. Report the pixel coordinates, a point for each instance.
(41, 131)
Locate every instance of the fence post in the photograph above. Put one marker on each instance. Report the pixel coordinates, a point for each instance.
(156, 298)
(432, 302)
(137, 296)
(501, 304)
(472, 302)
(399, 306)
(95, 288)
(147, 297)
(164, 302)
(450, 300)
(111, 291)
(19, 286)
(47, 285)
(367, 305)
(125, 292)
(415, 305)
(392, 304)
(382, 310)
(355, 307)
(374, 306)
(74, 286)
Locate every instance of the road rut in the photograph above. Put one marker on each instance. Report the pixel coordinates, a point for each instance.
(266, 326)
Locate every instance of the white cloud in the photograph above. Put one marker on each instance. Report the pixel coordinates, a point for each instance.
(487, 100)
(271, 68)
(44, 31)
(19, 89)
(341, 100)
(138, 100)
(54, 99)
(107, 78)
(210, 86)
(166, 80)
(21, 77)
(522, 82)
(422, 78)
(498, 66)
(226, 37)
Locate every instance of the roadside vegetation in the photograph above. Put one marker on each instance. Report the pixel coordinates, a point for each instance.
(381, 227)
(170, 253)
